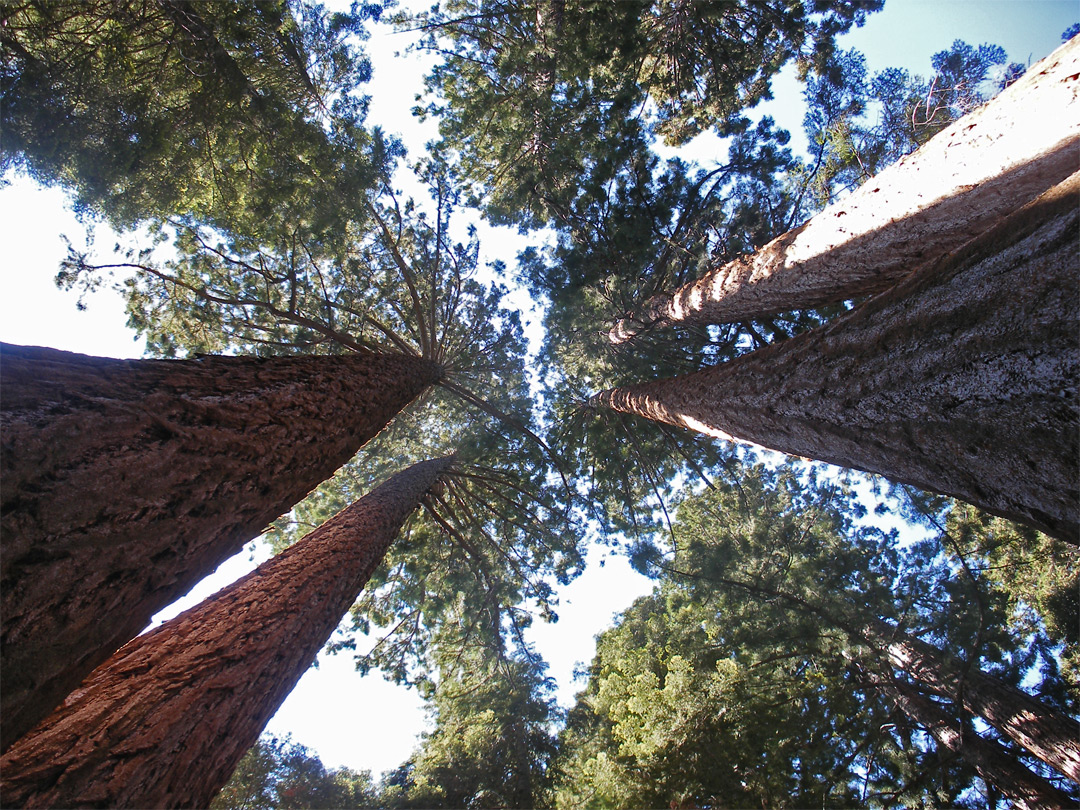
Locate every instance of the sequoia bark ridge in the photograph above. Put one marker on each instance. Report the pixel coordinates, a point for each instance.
(164, 722)
(980, 169)
(127, 481)
(962, 380)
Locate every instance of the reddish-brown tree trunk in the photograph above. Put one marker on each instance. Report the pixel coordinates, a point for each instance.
(962, 379)
(982, 168)
(1043, 732)
(1027, 789)
(165, 720)
(127, 481)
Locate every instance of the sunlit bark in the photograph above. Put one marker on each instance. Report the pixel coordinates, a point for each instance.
(961, 380)
(982, 168)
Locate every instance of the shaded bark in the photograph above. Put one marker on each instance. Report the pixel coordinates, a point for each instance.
(127, 481)
(961, 380)
(982, 168)
(1027, 789)
(164, 722)
(1043, 732)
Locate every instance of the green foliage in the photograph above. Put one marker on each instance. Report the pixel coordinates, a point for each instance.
(516, 75)
(1034, 579)
(277, 774)
(787, 539)
(676, 715)
(654, 227)
(1039, 580)
(742, 679)
(402, 285)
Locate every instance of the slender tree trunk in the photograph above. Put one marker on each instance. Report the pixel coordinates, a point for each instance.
(191, 27)
(165, 720)
(1027, 789)
(549, 18)
(127, 481)
(982, 168)
(1043, 732)
(962, 379)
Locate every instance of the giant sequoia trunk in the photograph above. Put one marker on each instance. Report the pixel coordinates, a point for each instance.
(982, 168)
(165, 720)
(127, 481)
(1026, 789)
(1044, 733)
(962, 379)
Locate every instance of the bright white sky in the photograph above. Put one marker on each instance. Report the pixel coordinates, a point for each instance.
(366, 723)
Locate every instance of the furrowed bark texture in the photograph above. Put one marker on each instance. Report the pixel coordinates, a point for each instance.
(962, 379)
(982, 168)
(1026, 789)
(1043, 732)
(127, 481)
(164, 722)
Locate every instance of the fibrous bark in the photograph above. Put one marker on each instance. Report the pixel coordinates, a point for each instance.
(983, 167)
(127, 481)
(961, 380)
(1044, 733)
(1027, 790)
(164, 722)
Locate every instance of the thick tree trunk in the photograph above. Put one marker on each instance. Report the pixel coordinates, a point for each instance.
(962, 379)
(982, 168)
(1043, 732)
(127, 481)
(1027, 789)
(165, 720)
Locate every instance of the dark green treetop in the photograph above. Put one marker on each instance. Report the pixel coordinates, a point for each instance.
(655, 225)
(676, 713)
(491, 740)
(283, 775)
(221, 112)
(1034, 578)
